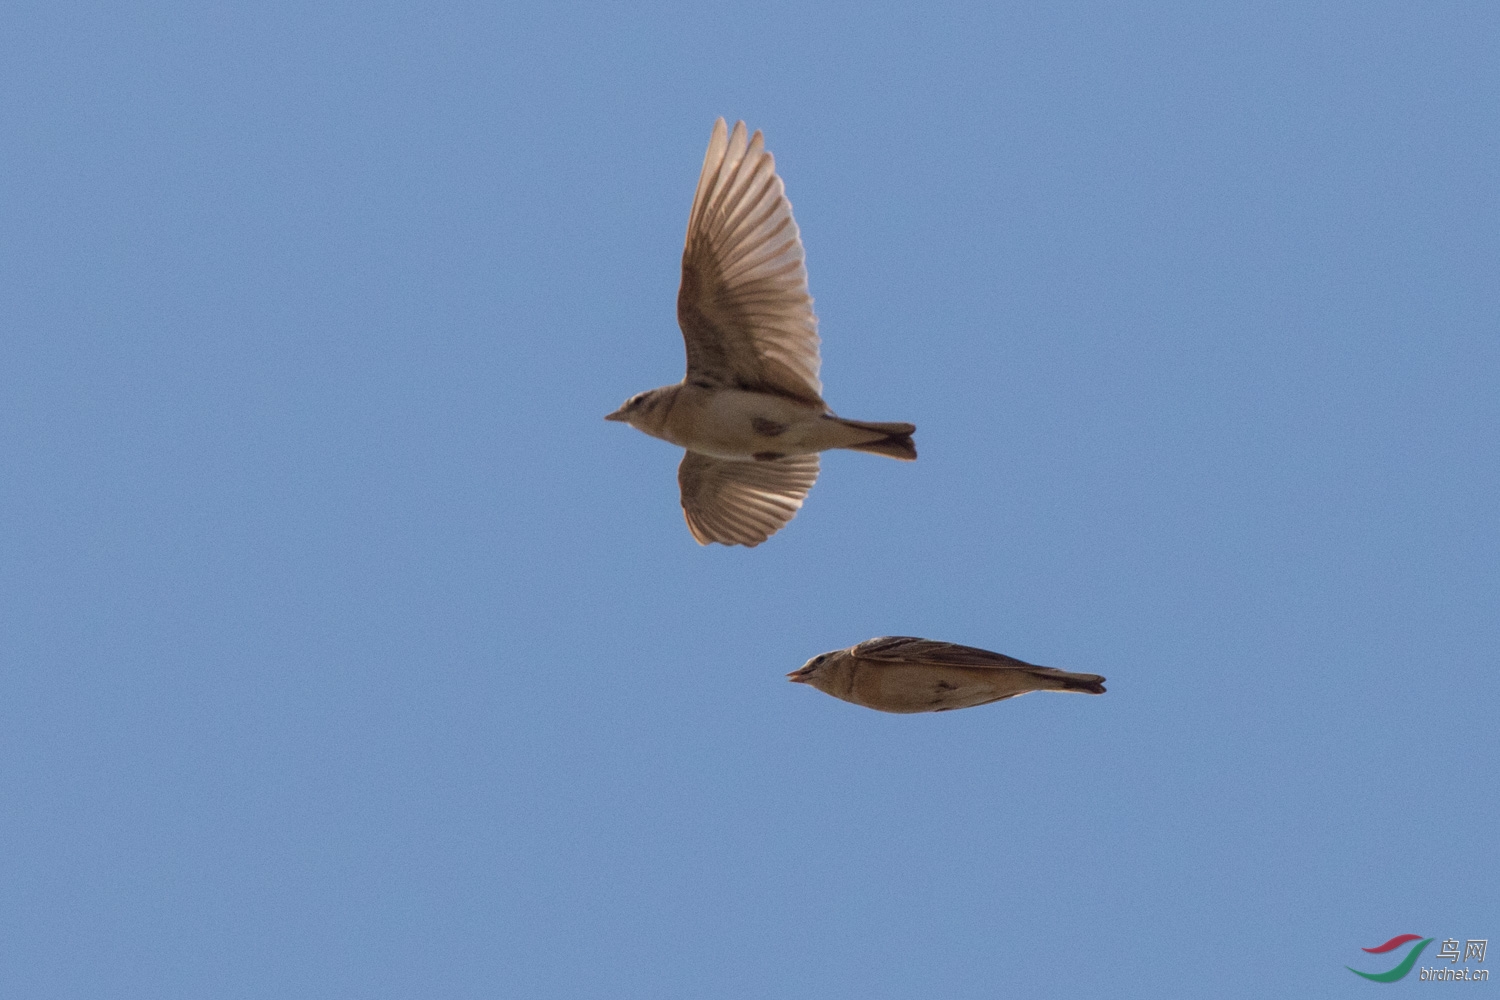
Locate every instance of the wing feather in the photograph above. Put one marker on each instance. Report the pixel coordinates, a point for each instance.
(909, 649)
(746, 315)
(742, 503)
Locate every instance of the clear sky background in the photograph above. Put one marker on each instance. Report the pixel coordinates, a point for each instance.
(347, 651)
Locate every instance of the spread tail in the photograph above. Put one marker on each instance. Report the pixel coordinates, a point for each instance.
(896, 443)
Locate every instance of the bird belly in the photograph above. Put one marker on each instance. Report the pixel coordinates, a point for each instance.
(735, 424)
(892, 688)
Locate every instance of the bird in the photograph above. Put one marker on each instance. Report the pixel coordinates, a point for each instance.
(750, 410)
(903, 674)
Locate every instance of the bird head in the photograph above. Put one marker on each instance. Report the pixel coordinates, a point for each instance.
(811, 671)
(630, 405)
(643, 411)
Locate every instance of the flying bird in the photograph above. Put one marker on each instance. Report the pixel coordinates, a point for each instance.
(750, 409)
(899, 673)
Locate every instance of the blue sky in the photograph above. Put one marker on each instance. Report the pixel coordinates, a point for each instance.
(346, 651)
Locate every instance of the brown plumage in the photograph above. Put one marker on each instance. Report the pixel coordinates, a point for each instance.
(750, 409)
(905, 674)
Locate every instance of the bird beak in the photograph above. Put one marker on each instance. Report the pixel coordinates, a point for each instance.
(617, 415)
(800, 675)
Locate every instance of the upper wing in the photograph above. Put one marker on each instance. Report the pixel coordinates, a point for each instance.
(908, 649)
(743, 305)
(742, 503)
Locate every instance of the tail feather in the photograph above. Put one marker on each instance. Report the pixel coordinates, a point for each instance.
(897, 442)
(1086, 683)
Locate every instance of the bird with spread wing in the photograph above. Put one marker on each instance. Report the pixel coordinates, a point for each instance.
(750, 409)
